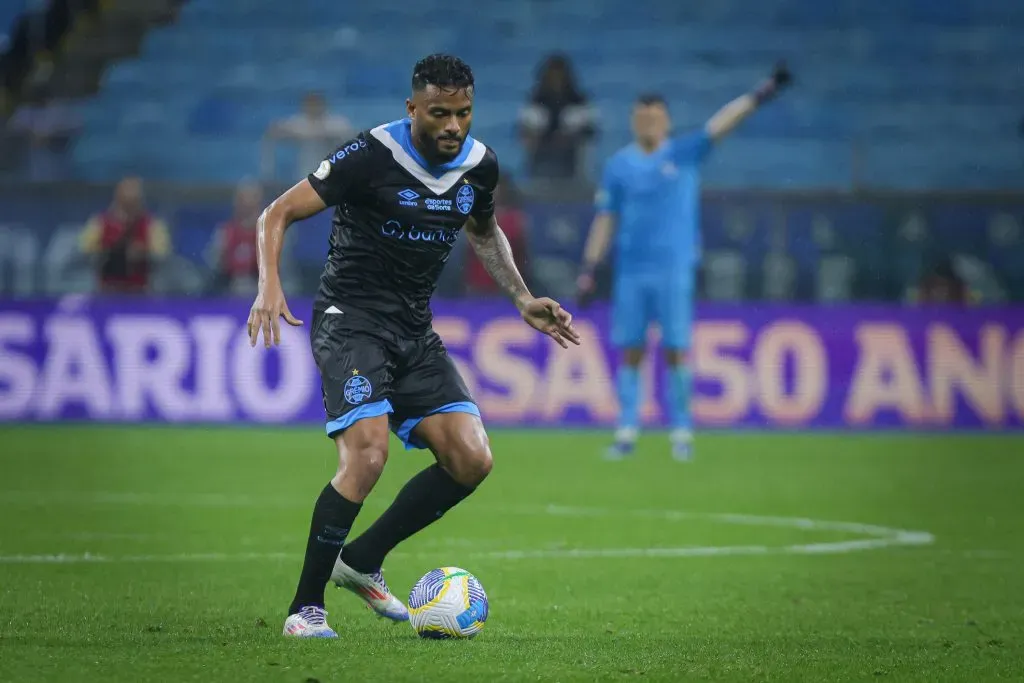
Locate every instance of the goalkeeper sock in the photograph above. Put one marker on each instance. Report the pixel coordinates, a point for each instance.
(628, 385)
(679, 388)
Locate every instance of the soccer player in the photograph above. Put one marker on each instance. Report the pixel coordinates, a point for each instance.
(403, 191)
(650, 196)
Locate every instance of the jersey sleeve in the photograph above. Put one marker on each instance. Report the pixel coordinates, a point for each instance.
(609, 193)
(691, 149)
(483, 206)
(339, 175)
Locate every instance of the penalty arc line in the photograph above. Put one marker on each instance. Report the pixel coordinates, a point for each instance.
(878, 537)
(837, 547)
(220, 500)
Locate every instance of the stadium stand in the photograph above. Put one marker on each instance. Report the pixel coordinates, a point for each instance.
(886, 94)
(10, 11)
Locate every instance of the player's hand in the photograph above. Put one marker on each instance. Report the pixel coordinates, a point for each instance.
(547, 316)
(266, 313)
(780, 79)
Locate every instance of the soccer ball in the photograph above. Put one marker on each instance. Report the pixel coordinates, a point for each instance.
(448, 603)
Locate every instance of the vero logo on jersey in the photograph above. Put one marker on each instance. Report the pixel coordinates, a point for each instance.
(408, 197)
(347, 149)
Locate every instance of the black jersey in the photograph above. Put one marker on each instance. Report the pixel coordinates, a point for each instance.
(396, 221)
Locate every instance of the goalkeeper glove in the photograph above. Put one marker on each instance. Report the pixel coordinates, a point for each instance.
(780, 78)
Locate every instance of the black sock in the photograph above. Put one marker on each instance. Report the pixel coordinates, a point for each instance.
(423, 500)
(333, 516)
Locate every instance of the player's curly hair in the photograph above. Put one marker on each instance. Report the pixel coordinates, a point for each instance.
(444, 71)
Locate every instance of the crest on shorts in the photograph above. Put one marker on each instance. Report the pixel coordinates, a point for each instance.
(323, 170)
(357, 388)
(464, 198)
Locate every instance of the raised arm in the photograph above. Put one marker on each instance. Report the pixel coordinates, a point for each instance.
(731, 115)
(543, 314)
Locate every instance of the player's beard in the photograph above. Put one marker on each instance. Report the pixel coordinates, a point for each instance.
(445, 152)
(430, 147)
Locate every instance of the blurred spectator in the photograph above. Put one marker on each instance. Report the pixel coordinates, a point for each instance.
(127, 241)
(232, 254)
(512, 220)
(557, 122)
(46, 130)
(315, 131)
(943, 285)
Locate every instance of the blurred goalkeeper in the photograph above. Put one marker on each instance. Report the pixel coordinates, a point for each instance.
(649, 196)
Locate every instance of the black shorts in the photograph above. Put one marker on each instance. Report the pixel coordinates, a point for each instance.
(367, 372)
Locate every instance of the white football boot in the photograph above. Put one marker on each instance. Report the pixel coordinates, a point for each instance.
(309, 622)
(372, 589)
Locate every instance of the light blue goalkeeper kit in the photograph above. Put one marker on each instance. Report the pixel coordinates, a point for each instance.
(655, 200)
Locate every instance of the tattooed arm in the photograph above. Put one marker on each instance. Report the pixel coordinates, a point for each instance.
(543, 314)
(495, 253)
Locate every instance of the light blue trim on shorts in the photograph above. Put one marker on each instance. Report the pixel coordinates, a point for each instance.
(404, 432)
(367, 410)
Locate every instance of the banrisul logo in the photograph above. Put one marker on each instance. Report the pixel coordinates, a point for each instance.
(408, 197)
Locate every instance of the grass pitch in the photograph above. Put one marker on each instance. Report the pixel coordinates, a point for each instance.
(163, 554)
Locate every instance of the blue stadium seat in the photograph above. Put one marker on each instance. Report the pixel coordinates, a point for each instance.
(10, 12)
(888, 92)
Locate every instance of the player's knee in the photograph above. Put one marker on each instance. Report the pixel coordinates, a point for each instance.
(470, 461)
(473, 467)
(367, 453)
(372, 459)
(360, 468)
(363, 451)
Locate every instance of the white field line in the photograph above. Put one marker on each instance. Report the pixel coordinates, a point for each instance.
(872, 537)
(838, 547)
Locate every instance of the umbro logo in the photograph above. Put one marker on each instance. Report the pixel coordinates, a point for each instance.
(409, 197)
